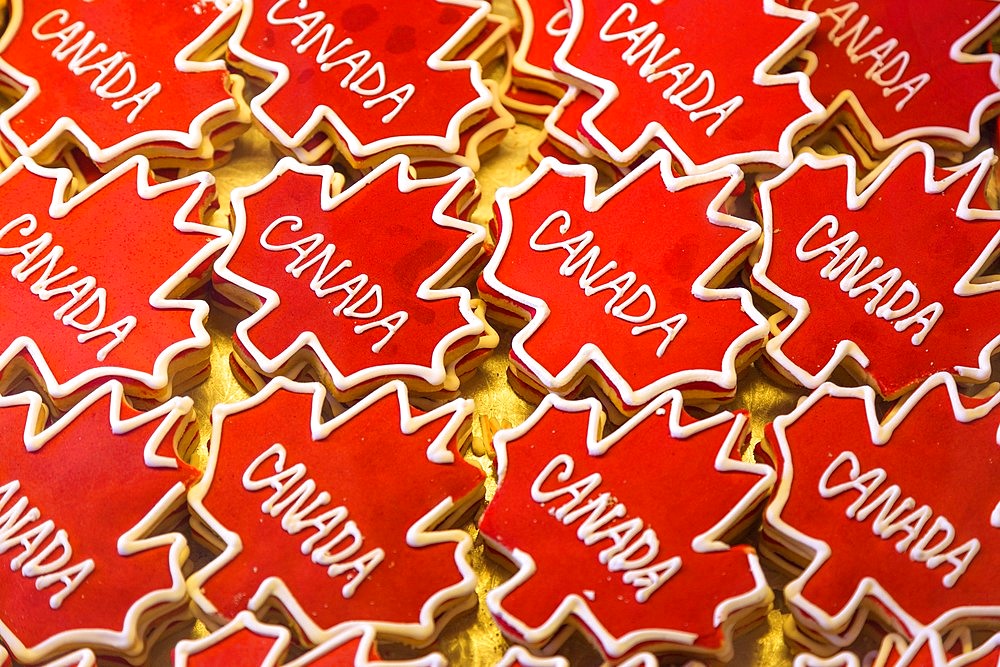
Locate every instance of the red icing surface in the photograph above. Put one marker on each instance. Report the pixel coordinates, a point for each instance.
(123, 239)
(375, 228)
(660, 479)
(918, 232)
(962, 490)
(123, 27)
(664, 237)
(402, 36)
(631, 107)
(382, 477)
(70, 482)
(927, 35)
(550, 21)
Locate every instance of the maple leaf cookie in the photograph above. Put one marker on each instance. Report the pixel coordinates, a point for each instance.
(147, 83)
(248, 641)
(898, 71)
(354, 284)
(597, 544)
(624, 289)
(373, 81)
(332, 523)
(82, 563)
(868, 533)
(885, 274)
(674, 74)
(97, 286)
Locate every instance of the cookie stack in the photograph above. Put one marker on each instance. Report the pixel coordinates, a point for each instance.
(740, 395)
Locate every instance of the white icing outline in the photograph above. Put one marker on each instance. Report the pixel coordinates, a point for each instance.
(192, 138)
(557, 133)
(707, 542)
(855, 612)
(607, 92)
(858, 192)
(330, 197)
(245, 620)
(842, 659)
(968, 137)
(518, 656)
(174, 412)
(449, 143)
(590, 352)
(81, 658)
(519, 59)
(159, 299)
(417, 535)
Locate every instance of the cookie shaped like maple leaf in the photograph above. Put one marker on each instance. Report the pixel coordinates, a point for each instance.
(906, 71)
(706, 88)
(336, 521)
(886, 276)
(878, 534)
(86, 69)
(629, 280)
(584, 518)
(354, 277)
(381, 77)
(248, 641)
(94, 285)
(81, 560)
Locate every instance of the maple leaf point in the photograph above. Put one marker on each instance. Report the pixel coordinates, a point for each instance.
(298, 50)
(920, 306)
(324, 232)
(398, 572)
(267, 644)
(80, 54)
(564, 493)
(906, 72)
(695, 330)
(729, 104)
(123, 318)
(930, 552)
(77, 572)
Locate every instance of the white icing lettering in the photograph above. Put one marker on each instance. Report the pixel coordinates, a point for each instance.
(359, 74)
(45, 551)
(927, 544)
(695, 97)
(356, 296)
(86, 306)
(636, 307)
(892, 300)
(116, 77)
(632, 546)
(861, 43)
(337, 541)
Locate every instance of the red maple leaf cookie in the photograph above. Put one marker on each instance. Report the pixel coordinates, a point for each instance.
(597, 541)
(375, 80)
(96, 285)
(628, 282)
(706, 88)
(898, 71)
(882, 273)
(336, 522)
(118, 87)
(355, 283)
(875, 533)
(81, 563)
(248, 641)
